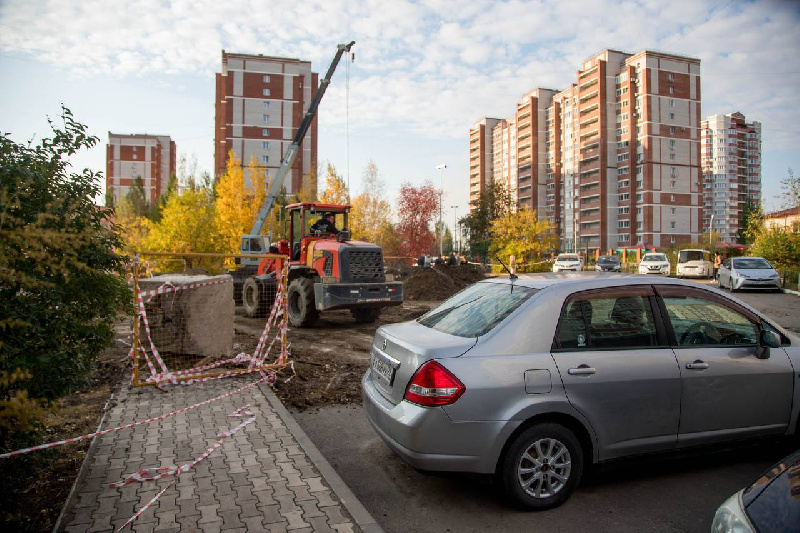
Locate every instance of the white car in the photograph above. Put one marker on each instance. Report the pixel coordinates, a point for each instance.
(654, 264)
(748, 273)
(566, 262)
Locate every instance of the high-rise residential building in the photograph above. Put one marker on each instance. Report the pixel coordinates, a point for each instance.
(481, 160)
(149, 157)
(504, 142)
(614, 160)
(731, 163)
(260, 102)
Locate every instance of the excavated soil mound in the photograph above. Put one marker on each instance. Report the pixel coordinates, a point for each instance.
(441, 282)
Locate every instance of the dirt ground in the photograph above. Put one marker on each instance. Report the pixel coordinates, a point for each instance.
(329, 360)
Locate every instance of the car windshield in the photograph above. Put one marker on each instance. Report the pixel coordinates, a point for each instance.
(690, 255)
(750, 263)
(608, 260)
(477, 309)
(655, 257)
(567, 258)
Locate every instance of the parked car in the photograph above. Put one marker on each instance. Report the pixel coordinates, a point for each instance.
(608, 263)
(533, 379)
(654, 263)
(567, 262)
(748, 273)
(771, 503)
(694, 264)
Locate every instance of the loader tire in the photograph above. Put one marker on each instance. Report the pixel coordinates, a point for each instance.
(254, 298)
(302, 312)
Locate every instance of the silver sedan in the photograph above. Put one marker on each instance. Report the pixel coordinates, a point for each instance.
(748, 273)
(532, 379)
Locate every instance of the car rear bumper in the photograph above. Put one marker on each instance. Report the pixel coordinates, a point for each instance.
(426, 438)
(357, 295)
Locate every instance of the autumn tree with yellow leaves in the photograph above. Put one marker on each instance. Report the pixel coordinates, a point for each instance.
(335, 188)
(521, 234)
(371, 215)
(237, 203)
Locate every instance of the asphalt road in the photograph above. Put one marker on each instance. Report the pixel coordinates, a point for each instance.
(662, 493)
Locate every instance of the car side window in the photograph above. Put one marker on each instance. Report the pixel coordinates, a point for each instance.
(697, 321)
(613, 322)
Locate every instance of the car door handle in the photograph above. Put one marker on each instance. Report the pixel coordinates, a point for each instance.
(582, 370)
(697, 365)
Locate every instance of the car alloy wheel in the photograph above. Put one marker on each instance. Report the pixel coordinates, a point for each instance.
(542, 467)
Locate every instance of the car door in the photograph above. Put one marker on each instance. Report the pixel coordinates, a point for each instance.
(618, 370)
(724, 274)
(727, 392)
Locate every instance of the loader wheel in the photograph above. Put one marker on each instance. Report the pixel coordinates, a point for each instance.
(366, 316)
(302, 312)
(253, 298)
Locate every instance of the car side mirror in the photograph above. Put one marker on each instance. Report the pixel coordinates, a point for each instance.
(767, 339)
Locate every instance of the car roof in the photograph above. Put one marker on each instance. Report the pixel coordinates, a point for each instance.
(580, 281)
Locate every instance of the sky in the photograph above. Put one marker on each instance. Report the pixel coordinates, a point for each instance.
(424, 71)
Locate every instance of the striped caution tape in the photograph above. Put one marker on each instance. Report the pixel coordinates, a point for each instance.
(153, 474)
(264, 379)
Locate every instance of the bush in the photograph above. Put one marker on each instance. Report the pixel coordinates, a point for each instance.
(61, 281)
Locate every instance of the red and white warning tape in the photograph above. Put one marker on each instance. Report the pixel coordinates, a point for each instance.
(264, 379)
(152, 474)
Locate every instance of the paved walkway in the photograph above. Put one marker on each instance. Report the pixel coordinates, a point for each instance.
(267, 477)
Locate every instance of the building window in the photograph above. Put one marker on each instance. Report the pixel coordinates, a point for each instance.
(639, 197)
(672, 184)
(266, 92)
(266, 105)
(672, 116)
(265, 132)
(623, 224)
(266, 78)
(639, 170)
(135, 156)
(639, 225)
(672, 143)
(672, 130)
(672, 157)
(135, 148)
(672, 198)
(265, 145)
(672, 103)
(672, 224)
(672, 90)
(624, 197)
(624, 210)
(265, 159)
(672, 239)
(672, 210)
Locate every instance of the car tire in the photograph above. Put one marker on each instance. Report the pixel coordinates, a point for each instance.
(542, 467)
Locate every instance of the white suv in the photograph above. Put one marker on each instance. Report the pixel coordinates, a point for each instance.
(654, 264)
(567, 262)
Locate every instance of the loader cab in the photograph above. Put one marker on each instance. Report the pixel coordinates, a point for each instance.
(304, 214)
(252, 244)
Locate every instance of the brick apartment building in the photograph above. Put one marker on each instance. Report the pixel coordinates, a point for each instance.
(149, 157)
(731, 164)
(614, 159)
(260, 102)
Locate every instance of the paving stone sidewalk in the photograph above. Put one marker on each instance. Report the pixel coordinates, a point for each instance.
(260, 479)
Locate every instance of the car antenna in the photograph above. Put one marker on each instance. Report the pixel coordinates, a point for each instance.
(511, 275)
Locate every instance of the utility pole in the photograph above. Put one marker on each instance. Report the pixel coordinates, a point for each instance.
(455, 228)
(441, 191)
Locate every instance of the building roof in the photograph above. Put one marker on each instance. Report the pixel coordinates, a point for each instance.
(784, 213)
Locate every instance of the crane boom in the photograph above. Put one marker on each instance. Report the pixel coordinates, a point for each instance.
(294, 148)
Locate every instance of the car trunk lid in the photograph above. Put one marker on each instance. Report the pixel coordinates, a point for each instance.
(394, 360)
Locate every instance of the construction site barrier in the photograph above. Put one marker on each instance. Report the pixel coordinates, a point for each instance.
(184, 325)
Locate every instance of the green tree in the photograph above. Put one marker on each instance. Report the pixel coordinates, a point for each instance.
(493, 202)
(779, 246)
(61, 281)
(752, 223)
(523, 235)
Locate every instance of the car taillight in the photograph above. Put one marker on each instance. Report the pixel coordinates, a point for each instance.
(433, 385)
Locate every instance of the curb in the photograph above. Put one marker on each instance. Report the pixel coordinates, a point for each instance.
(345, 495)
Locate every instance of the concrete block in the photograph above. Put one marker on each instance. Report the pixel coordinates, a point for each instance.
(196, 321)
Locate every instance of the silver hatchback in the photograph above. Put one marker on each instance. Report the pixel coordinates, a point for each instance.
(535, 378)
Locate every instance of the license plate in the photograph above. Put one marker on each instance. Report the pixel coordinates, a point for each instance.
(382, 369)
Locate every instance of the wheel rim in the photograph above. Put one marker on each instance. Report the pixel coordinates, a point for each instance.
(250, 298)
(544, 468)
(294, 303)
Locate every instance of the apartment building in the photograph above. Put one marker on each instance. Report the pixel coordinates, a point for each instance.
(504, 166)
(731, 166)
(481, 157)
(614, 159)
(131, 156)
(260, 102)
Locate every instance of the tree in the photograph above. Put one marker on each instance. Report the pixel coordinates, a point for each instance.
(61, 281)
(335, 188)
(493, 202)
(779, 246)
(791, 190)
(237, 204)
(371, 215)
(523, 235)
(752, 223)
(416, 209)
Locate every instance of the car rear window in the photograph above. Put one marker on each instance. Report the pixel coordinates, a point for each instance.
(477, 309)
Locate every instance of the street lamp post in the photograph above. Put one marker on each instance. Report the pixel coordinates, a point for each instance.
(710, 230)
(441, 191)
(455, 227)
